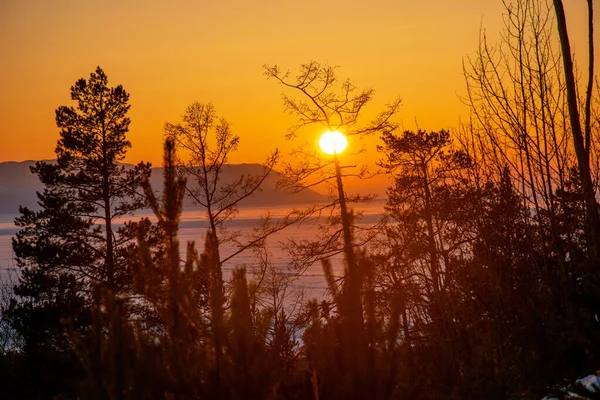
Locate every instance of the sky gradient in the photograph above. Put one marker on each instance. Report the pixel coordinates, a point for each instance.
(169, 54)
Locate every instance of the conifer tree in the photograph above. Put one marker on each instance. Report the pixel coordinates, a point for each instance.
(174, 292)
(71, 245)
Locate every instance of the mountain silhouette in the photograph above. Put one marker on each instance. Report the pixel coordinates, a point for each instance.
(18, 186)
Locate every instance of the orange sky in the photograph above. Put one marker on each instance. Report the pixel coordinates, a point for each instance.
(169, 54)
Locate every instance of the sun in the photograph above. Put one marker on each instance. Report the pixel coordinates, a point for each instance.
(333, 142)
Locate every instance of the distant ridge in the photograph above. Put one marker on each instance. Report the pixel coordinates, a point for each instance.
(18, 187)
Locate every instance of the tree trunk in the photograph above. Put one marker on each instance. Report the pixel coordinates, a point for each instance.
(110, 263)
(353, 326)
(581, 150)
(433, 255)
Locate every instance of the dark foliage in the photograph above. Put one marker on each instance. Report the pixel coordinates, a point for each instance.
(71, 247)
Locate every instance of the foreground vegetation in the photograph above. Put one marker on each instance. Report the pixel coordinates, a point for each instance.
(482, 282)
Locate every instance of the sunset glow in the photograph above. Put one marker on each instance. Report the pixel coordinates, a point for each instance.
(169, 55)
(236, 200)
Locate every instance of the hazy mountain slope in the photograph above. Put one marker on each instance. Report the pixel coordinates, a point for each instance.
(18, 186)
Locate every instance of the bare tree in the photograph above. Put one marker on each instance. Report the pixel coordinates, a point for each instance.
(205, 142)
(334, 106)
(518, 97)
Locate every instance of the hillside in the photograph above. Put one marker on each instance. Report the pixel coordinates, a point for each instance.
(18, 187)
